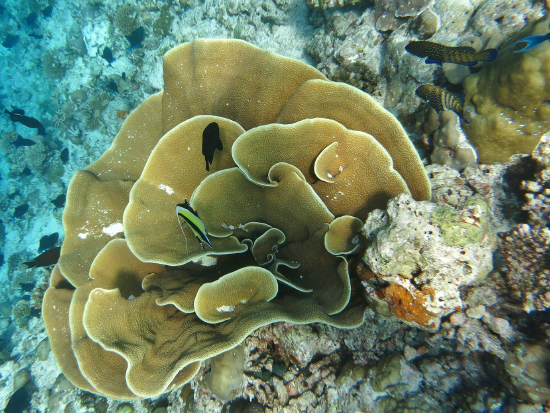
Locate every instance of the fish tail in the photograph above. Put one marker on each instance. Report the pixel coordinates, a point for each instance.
(531, 42)
(7, 111)
(490, 55)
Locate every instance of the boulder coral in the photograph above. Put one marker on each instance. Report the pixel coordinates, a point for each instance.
(135, 303)
(507, 102)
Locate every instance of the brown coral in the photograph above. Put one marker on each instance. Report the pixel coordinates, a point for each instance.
(137, 328)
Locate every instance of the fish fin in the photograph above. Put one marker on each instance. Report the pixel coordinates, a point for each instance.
(30, 264)
(430, 61)
(18, 111)
(220, 145)
(531, 42)
(493, 55)
(41, 131)
(7, 111)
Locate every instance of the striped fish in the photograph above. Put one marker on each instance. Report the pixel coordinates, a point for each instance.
(441, 99)
(190, 216)
(439, 53)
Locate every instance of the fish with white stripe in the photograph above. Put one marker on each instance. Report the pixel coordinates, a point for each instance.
(191, 218)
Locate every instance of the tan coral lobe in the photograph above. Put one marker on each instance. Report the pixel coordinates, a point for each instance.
(135, 303)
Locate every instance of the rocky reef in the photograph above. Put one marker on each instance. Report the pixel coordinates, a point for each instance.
(401, 301)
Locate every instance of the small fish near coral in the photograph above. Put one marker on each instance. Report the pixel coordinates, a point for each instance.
(441, 99)
(59, 202)
(436, 53)
(210, 142)
(531, 41)
(20, 141)
(18, 116)
(21, 210)
(64, 156)
(47, 258)
(108, 56)
(136, 38)
(190, 216)
(10, 40)
(48, 241)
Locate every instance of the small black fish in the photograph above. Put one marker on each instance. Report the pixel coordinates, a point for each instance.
(59, 202)
(108, 55)
(438, 53)
(20, 210)
(19, 401)
(10, 40)
(64, 155)
(113, 86)
(27, 287)
(441, 99)
(136, 37)
(210, 142)
(31, 18)
(48, 241)
(26, 172)
(49, 257)
(18, 115)
(23, 142)
(47, 11)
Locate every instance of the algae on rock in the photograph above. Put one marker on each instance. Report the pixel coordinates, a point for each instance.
(421, 253)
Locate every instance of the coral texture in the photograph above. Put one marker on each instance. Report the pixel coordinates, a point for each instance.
(526, 248)
(421, 254)
(506, 103)
(124, 325)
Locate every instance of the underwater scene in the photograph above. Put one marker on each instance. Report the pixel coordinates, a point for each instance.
(278, 206)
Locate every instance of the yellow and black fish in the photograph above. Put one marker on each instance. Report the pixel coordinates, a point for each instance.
(190, 216)
(441, 99)
(439, 54)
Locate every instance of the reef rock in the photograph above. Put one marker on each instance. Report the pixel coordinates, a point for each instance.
(421, 254)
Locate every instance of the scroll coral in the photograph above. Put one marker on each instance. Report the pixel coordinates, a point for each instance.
(298, 151)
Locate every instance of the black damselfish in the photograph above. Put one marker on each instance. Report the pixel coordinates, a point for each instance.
(10, 40)
(136, 37)
(23, 142)
(18, 116)
(21, 210)
(59, 202)
(439, 53)
(49, 257)
(108, 56)
(48, 241)
(210, 142)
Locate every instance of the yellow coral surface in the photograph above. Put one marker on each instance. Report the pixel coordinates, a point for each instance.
(508, 102)
(135, 302)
